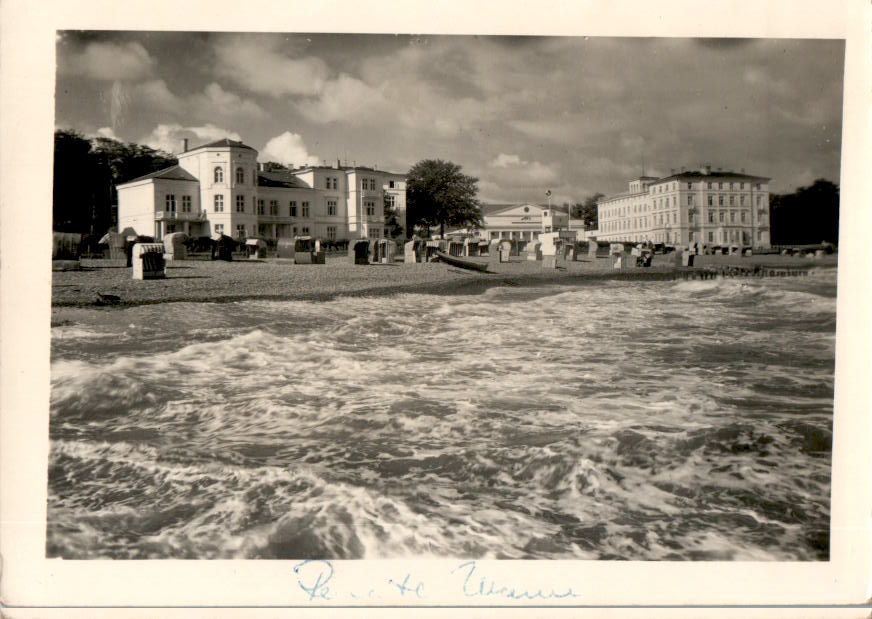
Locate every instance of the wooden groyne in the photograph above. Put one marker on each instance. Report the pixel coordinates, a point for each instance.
(711, 272)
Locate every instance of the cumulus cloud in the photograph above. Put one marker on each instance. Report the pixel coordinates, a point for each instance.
(262, 67)
(345, 99)
(288, 148)
(503, 161)
(519, 171)
(107, 132)
(168, 137)
(109, 61)
(219, 101)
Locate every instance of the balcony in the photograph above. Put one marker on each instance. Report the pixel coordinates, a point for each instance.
(179, 216)
(276, 219)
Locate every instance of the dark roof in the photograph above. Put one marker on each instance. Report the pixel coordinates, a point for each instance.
(222, 143)
(697, 175)
(280, 178)
(173, 173)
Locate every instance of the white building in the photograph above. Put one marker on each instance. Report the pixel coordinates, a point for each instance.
(220, 188)
(698, 206)
(521, 221)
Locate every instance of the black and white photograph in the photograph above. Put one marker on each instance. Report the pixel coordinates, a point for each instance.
(325, 296)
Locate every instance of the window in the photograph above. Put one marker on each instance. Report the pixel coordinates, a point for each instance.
(219, 228)
(240, 231)
(731, 186)
(742, 200)
(690, 218)
(327, 182)
(219, 203)
(732, 217)
(260, 207)
(732, 200)
(720, 186)
(690, 200)
(240, 176)
(720, 200)
(186, 204)
(711, 200)
(674, 200)
(331, 233)
(758, 186)
(171, 203)
(292, 210)
(721, 216)
(219, 174)
(331, 208)
(741, 185)
(391, 184)
(335, 182)
(304, 207)
(295, 230)
(708, 185)
(759, 200)
(274, 207)
(370, 209)
(743, 216)
(390, 201)
(711, 237)
(240, 204)
(690, 185)
(305, 230)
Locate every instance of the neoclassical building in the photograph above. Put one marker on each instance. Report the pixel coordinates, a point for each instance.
(521, 221)
(697, 206)
(220, 188)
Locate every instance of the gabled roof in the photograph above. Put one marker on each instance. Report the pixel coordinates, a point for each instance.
(498, 209)
(223, 143)
(173, 173)
(280, 178)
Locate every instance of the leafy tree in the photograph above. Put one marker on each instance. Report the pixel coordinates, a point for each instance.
(809, 215)
(588, 211)
(86, 173)
(393, 227)
(439, 194)
(273, 166)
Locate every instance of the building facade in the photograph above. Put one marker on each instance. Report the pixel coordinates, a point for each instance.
(219, 188)
(521, 221)
(700, 206)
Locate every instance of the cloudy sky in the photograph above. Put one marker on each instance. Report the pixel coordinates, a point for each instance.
(575, 115)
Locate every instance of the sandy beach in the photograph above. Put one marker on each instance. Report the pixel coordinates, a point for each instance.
(217, 281)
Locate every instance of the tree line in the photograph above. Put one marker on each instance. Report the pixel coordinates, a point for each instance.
(86, 173)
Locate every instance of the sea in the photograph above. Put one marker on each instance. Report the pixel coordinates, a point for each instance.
(619, 420)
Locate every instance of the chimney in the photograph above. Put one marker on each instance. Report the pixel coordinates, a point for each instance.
(185, 145)
(260, 166)
(337, 164)
(708, 168)
(682, 169)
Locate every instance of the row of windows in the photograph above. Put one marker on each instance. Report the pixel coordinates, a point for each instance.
(170, 203)
(672, 218)
(331, 182)
(368, 183)
(240, 230)
(661, 203)
(370, 208)
(709, 185)
(218, 175)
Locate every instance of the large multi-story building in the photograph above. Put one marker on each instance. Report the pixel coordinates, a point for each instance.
(221, 188)
(698, 206)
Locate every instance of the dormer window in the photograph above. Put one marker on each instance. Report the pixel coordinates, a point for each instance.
(240, 176)
(219, 174)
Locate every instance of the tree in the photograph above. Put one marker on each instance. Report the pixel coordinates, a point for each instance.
(86, 173)
(393, 227)
(439, 194)
(809, 215)
(589, 211)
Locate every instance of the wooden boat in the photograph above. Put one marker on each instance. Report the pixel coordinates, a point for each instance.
(463, 263)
